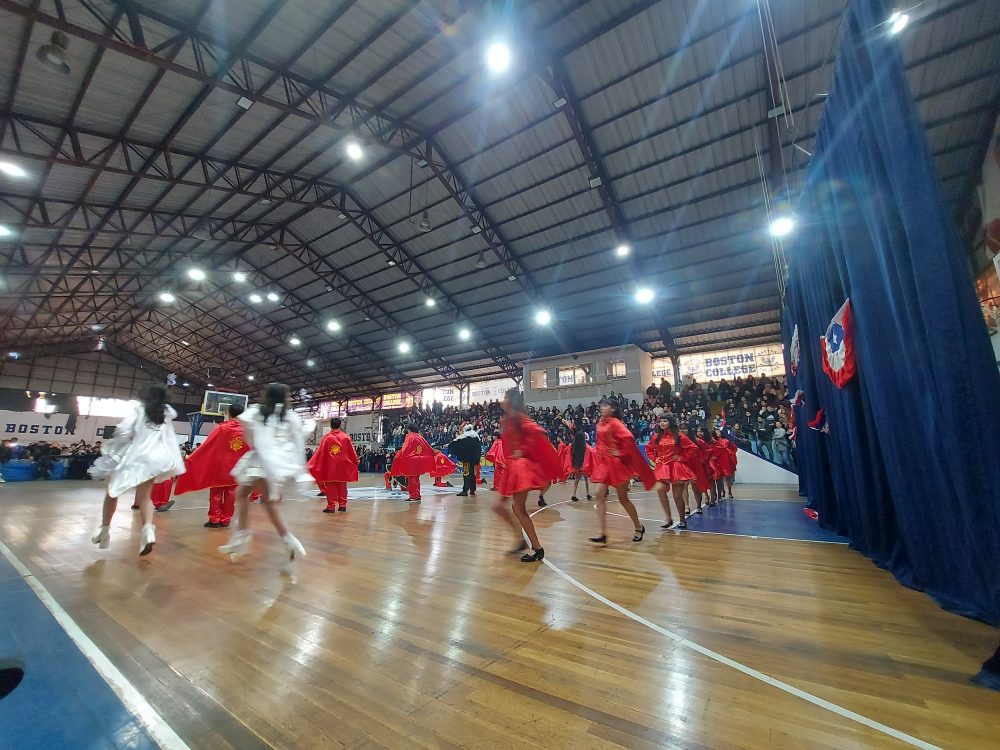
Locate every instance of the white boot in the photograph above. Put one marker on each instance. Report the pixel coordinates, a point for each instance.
(238, 544)
(102, 538)
(295, 550)
(147, 538)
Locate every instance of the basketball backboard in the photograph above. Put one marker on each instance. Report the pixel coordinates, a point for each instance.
(215, 403)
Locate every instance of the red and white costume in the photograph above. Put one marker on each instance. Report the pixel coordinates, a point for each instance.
(333, 465)
(618, 458)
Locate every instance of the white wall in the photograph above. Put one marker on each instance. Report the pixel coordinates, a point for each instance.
(29, 427)
(638, 366)
(751, 469)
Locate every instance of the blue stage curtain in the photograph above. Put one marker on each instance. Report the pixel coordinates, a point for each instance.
(910, 470)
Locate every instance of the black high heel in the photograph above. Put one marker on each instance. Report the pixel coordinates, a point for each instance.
(575, 499)
(589, 497)
(639, 535)
(535, 556)
(602, 539)
(518, 550)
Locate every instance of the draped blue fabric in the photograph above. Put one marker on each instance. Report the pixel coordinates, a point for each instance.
(910, 470)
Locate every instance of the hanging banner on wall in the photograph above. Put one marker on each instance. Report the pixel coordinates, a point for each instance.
(765, 360)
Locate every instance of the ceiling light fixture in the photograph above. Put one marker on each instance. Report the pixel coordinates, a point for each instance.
(186, 385)
(196, 274)
(464, 334)
(481, 260)
(623, 250)
(186, 343)
(255, 298)
(425, 222)
(390, 262)
(644, 295)
(782, 226)
(12, 170)
(53, 54)
(5, 231)
(310, 363)
(167, 297)
(898, 21)
(295, 341)
(430, 302)
(273, 297)
(332, 325)
(498, 57)
(354, 151)
(543, 317)
(404, 347)
(244, 102)
(249, 377)
(239, 277)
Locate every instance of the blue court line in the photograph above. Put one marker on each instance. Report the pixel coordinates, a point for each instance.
(63, 702)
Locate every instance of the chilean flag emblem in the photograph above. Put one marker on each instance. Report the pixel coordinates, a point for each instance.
(838, 347)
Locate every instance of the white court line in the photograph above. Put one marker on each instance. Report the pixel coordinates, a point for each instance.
(689, 530)
(749, 671)
(133, 700)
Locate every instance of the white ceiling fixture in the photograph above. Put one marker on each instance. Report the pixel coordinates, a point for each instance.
(255, 298)
(430, 302)
(273, 297)
(332, 325)
(543, 317)
(53, 54)
(464, 333)
(11, 169)
(186, 343)
(404, 347)
(295, 341)
(250, 377)
(167, 297)
(898, 21)
(623, 250)
(425, 222)
(481, 260)
(5, 231)
(644, 295)
(310, 363)
(782, 226)
(244, 102)
(186, 385)
(498, 57)
(239, 277)
(196, 274)
(354, 151)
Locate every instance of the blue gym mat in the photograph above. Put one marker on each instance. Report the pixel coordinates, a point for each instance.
(62, 702)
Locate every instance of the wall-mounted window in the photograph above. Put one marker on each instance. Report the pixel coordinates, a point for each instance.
(539, 379)
(576, 375)
(616, 370)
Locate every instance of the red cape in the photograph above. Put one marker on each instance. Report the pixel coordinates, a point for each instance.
(443, 466)
(530, 460)
(618, 457)
(335, 459)
(212, 461)
(416, 457)
(495, 454)
(588, 461)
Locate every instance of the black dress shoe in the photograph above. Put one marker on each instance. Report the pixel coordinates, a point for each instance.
(329, 510)
(535, 556)
(165, 507)
(603, 539)
(212, 525)
(462, 494)
(342, 508)
(541, 502)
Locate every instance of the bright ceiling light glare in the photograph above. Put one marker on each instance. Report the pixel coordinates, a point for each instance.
(256, 299)
(622, 250)
(186, 385)
(196, 274)
(782, 226)
(239, 277)
(430, 302)
(333, 325)
(498, 57)
(354, 151)
(12, 170)
(464, 333)
(167, 297)
(644, 295)
(543, 317)
(898, 22)
(295, 341)
(273, 297)
(5, 231)
(404, 347)
(185, 343)
(249, 377)
(310, 363)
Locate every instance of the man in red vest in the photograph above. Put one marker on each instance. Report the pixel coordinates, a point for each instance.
(333, 465)
(210, 466)
(416, 457)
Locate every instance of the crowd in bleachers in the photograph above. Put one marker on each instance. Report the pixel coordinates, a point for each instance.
(752, 411)
(69, 461)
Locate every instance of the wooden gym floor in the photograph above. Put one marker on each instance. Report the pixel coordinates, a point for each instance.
(408, 627)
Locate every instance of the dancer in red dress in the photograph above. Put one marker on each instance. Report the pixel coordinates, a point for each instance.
(579, 461)
(495, 456)
(711, 460)
(617, 461)
(210, 466)
(727, 464)
(416, 457)
(667, 449)
(562, 450)
(333, 465)
(530, 463)
(696, 461)
(443, 467)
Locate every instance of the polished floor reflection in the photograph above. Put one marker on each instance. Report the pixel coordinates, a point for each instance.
(407, 626)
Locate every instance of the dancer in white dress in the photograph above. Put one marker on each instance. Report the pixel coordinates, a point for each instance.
(276, 436)
(142, 452)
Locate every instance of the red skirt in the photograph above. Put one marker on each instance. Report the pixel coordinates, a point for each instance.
(697, 467)
(612, 471)
(712, 469)
(673, 472)
(521, 475)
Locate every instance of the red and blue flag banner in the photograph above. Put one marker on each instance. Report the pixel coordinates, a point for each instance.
(838, 347)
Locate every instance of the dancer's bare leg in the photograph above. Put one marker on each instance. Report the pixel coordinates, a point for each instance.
(525, 519)
(502, 508)
(622, 491)
(602, 497)
(110, 505)
(679, 490)
(661, 493)
(143, 498)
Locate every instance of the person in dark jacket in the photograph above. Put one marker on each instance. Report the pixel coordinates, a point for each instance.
(468, 449)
